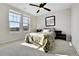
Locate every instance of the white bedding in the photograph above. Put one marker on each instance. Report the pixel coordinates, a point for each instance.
(41, 40)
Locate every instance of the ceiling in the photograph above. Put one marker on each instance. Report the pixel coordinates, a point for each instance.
(32, 9)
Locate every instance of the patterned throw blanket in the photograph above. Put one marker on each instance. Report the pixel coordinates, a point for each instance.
(41, 40)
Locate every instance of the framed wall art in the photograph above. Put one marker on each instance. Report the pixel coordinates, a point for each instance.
(50, 21)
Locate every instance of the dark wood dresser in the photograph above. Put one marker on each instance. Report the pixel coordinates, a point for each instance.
(59, 35)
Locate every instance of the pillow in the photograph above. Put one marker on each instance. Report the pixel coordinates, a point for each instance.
(39, 30)
(46, 30)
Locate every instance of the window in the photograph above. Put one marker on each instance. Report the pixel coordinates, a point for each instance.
(25, 23)
(14, 20)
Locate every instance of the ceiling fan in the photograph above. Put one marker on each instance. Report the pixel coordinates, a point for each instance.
(40, 6)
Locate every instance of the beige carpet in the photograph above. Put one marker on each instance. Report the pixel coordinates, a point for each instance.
(64, 48)
(61, 48)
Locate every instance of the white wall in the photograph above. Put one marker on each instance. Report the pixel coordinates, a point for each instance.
(5, 34)
(75, 26)
(63, 20)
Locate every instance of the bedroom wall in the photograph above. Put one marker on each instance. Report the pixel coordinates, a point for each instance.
(5, 34)
(75, 26)
(63, 20)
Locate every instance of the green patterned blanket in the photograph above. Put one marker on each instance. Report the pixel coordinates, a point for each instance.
(41, 40)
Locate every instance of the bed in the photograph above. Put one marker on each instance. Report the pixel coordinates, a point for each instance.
(44, 40)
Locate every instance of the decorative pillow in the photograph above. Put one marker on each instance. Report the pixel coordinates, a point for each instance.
(39, 30)
(46, 30)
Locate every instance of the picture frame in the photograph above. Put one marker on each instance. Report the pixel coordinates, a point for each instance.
(50, 21)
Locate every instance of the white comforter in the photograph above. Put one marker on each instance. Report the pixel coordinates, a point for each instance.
(42, 40)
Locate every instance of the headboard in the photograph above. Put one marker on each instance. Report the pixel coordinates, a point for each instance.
(50, 29)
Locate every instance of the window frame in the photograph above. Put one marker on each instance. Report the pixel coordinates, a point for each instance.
(20, 23)
(25, 23)
(17, 13)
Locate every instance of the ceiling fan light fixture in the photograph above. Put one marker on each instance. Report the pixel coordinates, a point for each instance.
(41, 6)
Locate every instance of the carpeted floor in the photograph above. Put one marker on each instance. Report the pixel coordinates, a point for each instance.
(61, 48)
(64, 48)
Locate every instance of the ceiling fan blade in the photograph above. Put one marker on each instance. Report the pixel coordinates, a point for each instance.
(34, 5)
(40, 5)
(38, 11)
(44, 4)
(47, 9)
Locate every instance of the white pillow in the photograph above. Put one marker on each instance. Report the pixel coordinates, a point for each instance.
(45, 30)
